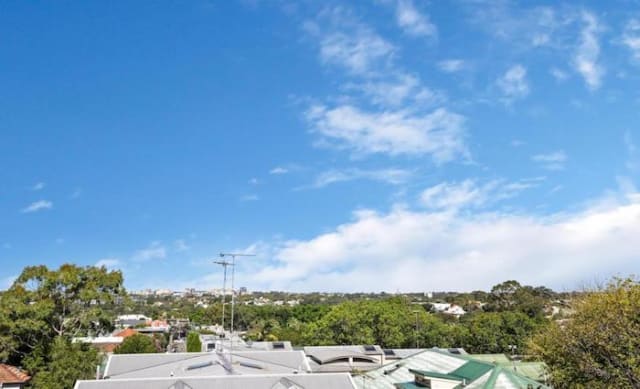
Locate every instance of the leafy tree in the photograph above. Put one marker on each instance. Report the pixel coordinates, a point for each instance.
(495, 332)
(136, 344)
(67, 363)
(193, 342)
(44, 304)
(598, 346)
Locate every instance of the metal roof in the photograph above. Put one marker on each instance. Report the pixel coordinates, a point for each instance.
(205, 364)
(478, 374)
(279, 381)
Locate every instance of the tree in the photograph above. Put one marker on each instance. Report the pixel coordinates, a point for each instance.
(136, 344)
(495, 332)
(44, 309)
(598, 346)
(68, 362)
(193, 342)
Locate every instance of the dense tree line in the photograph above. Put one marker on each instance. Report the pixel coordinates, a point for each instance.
(597, 346)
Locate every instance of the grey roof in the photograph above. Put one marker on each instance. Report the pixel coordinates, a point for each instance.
(287, 381)
(324, 359)
(205, 364)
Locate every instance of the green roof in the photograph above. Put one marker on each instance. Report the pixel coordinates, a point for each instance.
(472, 370)
(434, 374)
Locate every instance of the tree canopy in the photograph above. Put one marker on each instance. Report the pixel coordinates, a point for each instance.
(136, 344)
(598, 346)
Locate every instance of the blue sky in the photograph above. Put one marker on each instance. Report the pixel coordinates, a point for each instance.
(385, 145)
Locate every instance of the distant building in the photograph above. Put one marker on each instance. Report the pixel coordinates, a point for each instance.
(131, 320)
(106, 344)
(12, 377)
(448, 309)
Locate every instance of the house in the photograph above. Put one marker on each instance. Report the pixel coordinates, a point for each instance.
(207, 364)
(106, 344)
(12, 377)
(448, 309)
(438, 369)
(269, 381)
(131, 320)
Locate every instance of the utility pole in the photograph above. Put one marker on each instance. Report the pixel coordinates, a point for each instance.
(416, 330)
(224, 264)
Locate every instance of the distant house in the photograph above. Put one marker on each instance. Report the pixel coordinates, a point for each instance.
(106, 344)
(448, 309)
(131, 320)
(12, 377)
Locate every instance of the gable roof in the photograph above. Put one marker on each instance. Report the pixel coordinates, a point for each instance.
(205, 364)
(269, 381)
(12, 375)
(441, 364)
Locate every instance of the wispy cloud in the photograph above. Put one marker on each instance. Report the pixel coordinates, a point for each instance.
(551, 161)
(359, 49)
(279, 170)
(451, 65)
(514, 83)
(38, 186)
(439, 134)
(558, 74)
(77, 192)
(38, 206)
(412, 21)
(472, 193)
(631, 38)
(587, 54)
(398, 89)
(153, 252)
(180, 245)
(389, 176)
(254, 181)
(109, 263)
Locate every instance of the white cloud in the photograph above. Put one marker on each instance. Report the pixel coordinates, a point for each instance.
(558, 74)
(631, 38)
(472, 194)
(279, 170)
(514, 83)
(181, 245)
(399, 89)
(451, 65)
(439, 134)
(109, 263)
(587, 54)
(154, 251)
(412, 21)
(360, 51)
(38, 206)
(38, 186)
(389, 176)
(254, 181)
(434, 250)
(551, 161)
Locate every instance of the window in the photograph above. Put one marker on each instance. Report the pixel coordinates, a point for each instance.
(369, 348)
(278, 346)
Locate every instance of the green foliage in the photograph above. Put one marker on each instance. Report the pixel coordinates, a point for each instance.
(67, 363)
(44, 309)
(193, 343)
(495, 332)
(598, 346)
(137, 344)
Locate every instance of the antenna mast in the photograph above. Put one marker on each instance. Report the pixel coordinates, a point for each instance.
(233, 292)
(224, 264)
